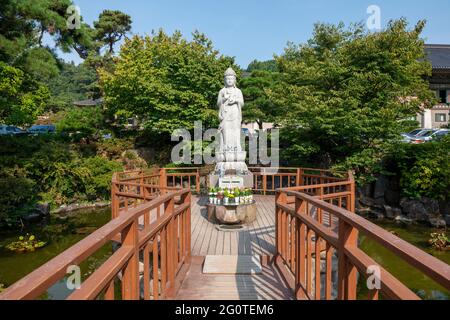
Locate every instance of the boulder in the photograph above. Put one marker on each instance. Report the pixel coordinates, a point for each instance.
(414, 209)
(431, 206)
(444, 207)
(403, 219)
(389, 212)
(447, 219)
(32, 218)
(43, 209)
(438, 222)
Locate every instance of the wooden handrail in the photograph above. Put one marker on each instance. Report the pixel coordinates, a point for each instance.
(37, 282)
(342, 238)
(263, 177)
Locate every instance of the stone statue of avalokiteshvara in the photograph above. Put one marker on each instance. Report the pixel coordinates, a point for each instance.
(230, 156)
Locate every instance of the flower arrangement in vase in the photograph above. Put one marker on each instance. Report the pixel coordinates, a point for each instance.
(226, 197)
(211, 195)
(237, 195)
(220, 196)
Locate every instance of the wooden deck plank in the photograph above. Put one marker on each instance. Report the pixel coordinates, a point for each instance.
(266, 286)
(258, 238)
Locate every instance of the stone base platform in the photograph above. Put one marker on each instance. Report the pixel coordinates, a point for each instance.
(248, 180)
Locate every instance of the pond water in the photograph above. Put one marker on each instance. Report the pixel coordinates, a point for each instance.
(60, 234)
(418, 235)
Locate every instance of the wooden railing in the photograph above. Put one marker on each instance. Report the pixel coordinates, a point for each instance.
(316, 226)
(269, 179)
(265, 179)
(151, 228)
(316, 240)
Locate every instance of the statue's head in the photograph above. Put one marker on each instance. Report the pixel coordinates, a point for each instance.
(230, 78)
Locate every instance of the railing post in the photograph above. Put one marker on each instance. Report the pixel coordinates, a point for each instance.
(168, 210)
(162, 180)
(264, 176)
(130, 274)
(347, 273)
(187, 200)
(300, 234)
(351, 188)
(114, 200)
(299, 178)
(280, 198)
(197, 181)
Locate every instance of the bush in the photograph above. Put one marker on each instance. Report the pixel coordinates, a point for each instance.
(424, 169)
(81, 122)
(48, 169)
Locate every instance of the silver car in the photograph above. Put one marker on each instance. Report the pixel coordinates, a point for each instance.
(434, 135)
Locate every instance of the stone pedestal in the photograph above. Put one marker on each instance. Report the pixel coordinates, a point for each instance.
(247, 180)
(232, 214)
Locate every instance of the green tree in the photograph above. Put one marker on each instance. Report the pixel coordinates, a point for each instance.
(71, 84)
(111, 27)
(167, 81)
(82, 121)
(344, 96)
(21, 98)
(258, 106)
(269, 65)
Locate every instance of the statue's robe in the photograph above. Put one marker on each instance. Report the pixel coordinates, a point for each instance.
(230, 116)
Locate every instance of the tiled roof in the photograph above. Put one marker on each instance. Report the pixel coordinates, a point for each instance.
(438, 55)
(89, 102)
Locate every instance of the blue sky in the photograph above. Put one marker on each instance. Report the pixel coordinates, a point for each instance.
(258, 29)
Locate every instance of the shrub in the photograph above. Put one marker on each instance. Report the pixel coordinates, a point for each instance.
(424, 169)
(48, 169)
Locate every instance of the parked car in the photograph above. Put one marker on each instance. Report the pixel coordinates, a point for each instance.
(42, 129)
(408, 137)
(416, 132)
(6, 130)
(434, 135)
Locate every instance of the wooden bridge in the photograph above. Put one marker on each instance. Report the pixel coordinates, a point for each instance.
(304, 242)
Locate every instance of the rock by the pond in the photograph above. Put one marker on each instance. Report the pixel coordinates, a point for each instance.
(420, 209)
(33, 217)
(447, 219)
(389, 212)
(403, 219)
(43, 208)
(438, 222)
(392, 212)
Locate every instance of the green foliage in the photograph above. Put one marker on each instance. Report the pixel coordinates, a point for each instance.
(269, 65)
(424, 169)
(73, 83)
(258, 106)
(167, 81)
(21, 98)
(27, 243)
(48, 169)
(111, 27)
(81, 121)
(439, 241)
(16, 193)
(344, 95)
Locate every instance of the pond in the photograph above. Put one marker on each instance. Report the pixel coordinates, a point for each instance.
(60, 234)
(418, 235)
(63, 233)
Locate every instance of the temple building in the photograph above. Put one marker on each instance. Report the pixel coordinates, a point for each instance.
(439, 115)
